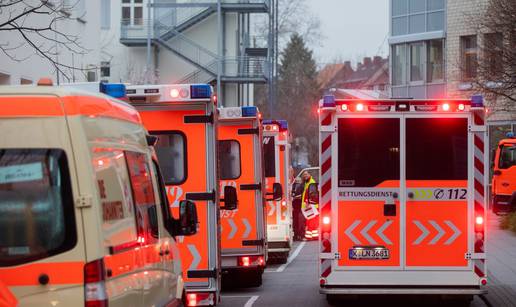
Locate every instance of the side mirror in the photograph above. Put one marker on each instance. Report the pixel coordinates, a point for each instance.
(313, 193)
(277, 192)
(497, 172)
(187, 224)
(230, 199)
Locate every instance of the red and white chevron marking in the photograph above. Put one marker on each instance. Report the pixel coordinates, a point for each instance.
(479, 187)
(325, 184)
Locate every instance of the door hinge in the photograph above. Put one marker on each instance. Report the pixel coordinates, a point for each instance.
(475, 256)
(199, 119)
(330, 256)
(84, 201)
(207, 196)
(250, 187)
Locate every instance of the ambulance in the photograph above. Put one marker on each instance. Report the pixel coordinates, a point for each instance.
(276, 153)
(184, 119)
(503, 185)
(84, 219)
(244, 241)
(403, 197)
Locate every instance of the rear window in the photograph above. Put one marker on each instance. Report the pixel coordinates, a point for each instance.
(36, 205)
(369, 151)
(437, 148)
(171, 152)
(269, 155)
(229, 159)
(507, 156)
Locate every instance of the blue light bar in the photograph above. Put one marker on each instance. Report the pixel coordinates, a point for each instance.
(477, 101)
(329, 101)
(200, 91)
(510, 135)
(115, 90)
(283, 124)
(249, 111)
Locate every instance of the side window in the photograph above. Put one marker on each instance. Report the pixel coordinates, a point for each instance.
(229, 159)
(116, 198)
(143, 195)
(368, 151)
(269, 156)
(171, 151)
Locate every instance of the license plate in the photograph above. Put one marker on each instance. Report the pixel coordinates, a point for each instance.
(356, 253)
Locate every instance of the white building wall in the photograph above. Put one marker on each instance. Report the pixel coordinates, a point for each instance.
(33, 66)
(128, 64)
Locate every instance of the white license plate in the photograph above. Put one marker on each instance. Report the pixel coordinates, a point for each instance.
(356, 253)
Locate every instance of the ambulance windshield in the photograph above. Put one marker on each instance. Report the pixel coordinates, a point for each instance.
(269, 156)
(171, 151)
(229, 158)
(507, 156)
(36, 205)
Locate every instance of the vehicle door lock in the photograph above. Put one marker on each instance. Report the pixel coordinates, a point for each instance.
(84, 201)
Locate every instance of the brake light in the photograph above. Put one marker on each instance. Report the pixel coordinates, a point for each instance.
(245, 261)
(360, 107)
(283, 203)
(461, 107)
(200, 299)
(191, 299)
(479, 220)
(95, 294)
(248, 261)
(326, 220)
(344, 107)
(446, 107)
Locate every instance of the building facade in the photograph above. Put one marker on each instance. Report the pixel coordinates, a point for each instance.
(78, 20)
(187, 41)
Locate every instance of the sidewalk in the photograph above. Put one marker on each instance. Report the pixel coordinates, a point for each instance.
(501, 264)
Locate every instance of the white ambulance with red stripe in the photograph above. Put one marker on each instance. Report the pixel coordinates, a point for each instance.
(402, 197)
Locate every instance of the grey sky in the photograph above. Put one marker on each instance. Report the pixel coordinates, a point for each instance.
(351, 29)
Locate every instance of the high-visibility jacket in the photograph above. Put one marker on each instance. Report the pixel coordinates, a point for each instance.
(304, 197)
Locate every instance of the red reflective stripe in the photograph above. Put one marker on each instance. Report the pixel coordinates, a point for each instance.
(325, 166)
(479, 165)
(479, 187)
(478, 118)
(326, 144)
(59, 273)
(327, 120)
(326, 187)
(479, 272)
(479, 143)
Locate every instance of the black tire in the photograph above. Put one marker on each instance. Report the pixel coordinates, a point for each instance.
(255, 278)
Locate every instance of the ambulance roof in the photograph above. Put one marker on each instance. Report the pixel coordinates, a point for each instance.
(75, 102)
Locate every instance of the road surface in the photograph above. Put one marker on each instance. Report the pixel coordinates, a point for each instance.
(296, 283)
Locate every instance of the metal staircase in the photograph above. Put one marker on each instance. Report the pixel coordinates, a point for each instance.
(167, 27)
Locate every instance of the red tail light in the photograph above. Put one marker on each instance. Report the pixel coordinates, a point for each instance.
(326, 220)
(191, 299)
(479, 220)
(461, 107)
(250, 261)
(446, 107)
(200, 299)
(344, 107)
(360, 107)
(95, 294)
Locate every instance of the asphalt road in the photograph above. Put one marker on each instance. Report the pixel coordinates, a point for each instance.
(296, 284)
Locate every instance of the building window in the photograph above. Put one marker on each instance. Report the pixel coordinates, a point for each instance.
(435, 68)
(105, 14)
(417, 16)
(25, 81)
(132, 12)
(469, 57)
(399, 75)
(493, 49)
(105, 69)
(417, 62)
(5, 79)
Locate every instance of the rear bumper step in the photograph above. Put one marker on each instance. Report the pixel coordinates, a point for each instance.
(403, 291)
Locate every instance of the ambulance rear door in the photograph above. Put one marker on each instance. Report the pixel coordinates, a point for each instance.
(240, 154)
(403, 185)
(186, 150)
(272, 169)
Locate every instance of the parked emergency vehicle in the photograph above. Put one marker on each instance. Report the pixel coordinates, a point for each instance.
(244, 248)
(83, 214)
(503, 185)
(402, 197)
(276, 153)
(184, 118)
